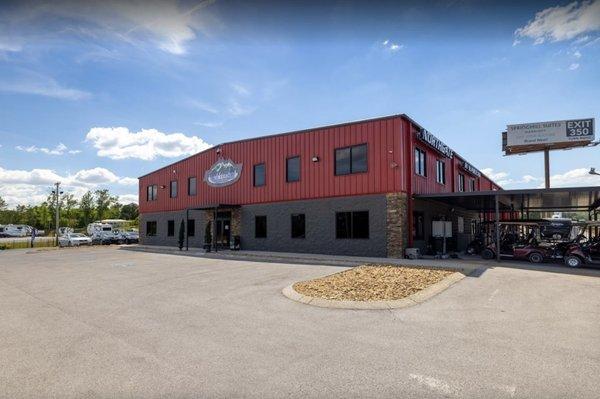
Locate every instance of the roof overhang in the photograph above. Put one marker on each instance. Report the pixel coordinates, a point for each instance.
(211, 207)
(543, 199)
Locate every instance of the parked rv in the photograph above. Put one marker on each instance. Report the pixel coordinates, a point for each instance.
(15, 230)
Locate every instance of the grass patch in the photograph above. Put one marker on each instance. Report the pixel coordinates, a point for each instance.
(372, 283)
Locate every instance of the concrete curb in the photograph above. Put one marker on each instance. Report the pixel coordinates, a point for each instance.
(414, 299)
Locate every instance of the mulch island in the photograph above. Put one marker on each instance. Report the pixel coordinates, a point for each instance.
(372, 283)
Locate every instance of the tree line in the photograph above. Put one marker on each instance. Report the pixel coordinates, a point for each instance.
(96, 205)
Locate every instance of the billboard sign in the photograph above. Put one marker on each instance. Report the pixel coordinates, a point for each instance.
(223, 173)
(555, 134)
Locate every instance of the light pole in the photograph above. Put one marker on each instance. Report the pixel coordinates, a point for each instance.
(593, 172)
(57, 194)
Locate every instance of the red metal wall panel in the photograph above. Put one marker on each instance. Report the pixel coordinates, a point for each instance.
(391, 142)
(385, 167)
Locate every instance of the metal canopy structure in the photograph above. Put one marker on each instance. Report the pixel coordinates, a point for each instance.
(544, 200)
(211, 207)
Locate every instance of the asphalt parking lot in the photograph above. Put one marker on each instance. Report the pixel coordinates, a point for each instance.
(105, 322)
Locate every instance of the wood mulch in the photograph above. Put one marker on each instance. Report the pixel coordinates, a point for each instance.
(372, 283)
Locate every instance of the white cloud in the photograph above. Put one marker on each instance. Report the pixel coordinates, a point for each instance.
(147, 144)
(237, 109)
(128, 198)
(504, 179)
(209, 124)
(9, 45)
(562, 22)
(20, 187)
(574, 178)
(390, 46)
(240, 89)
(42, 86)
(165, 24)
(573, 66)
(201, 105)
(60, 149)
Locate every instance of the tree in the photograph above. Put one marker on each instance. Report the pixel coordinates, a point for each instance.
(3, 204)
(86, 209)
(104, 201)
(129, 211)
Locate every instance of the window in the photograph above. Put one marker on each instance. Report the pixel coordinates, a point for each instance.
(461, 182)
(352, 224)
(259, 175)
(292, 169)
(152, 193)
(173, 189)
(440, 175)
(472, 182)
(151, 229)
(418, 226)
(260, 227)
(351, 160)
(192, 186)
(170, 228)
(420, 162)
(191, 227)
(298, 226)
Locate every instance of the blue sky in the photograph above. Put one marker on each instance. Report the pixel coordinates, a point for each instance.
(98, 93)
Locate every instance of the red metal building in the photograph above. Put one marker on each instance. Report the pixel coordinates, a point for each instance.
(372, 166)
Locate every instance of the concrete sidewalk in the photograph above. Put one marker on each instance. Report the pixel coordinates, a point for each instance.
(470, 264)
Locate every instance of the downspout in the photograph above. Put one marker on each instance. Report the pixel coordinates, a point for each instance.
(409, 188)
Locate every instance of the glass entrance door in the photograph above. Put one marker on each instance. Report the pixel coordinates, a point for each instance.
(223, 237)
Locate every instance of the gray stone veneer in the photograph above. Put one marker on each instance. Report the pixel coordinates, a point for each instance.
(320, 226)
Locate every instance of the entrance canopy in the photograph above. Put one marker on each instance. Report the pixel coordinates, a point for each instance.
(543, 199)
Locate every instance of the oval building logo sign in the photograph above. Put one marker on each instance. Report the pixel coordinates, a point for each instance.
(223, 173)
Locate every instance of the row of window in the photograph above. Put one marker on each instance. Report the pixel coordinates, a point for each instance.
(347, 225)
(353, 225)
(440, 171)
(348, 160)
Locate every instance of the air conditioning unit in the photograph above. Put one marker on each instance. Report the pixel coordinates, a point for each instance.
(413, 253)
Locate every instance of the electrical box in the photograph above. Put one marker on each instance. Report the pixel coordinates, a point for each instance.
(441, 228)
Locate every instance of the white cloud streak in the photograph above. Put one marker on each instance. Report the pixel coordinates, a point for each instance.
(60, 149)
(391, 46)
(166, 24)
(562, 23)
(43, 86)
(147, 144)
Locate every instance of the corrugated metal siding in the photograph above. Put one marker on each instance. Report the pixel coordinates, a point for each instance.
(385, 139)
(429, 185)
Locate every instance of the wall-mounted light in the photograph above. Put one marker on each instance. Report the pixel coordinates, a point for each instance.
(393, 165)
(218, 150)
(174, 172)
(315, 158)
(163, 186)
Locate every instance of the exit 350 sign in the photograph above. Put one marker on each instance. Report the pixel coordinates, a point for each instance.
(580, 128)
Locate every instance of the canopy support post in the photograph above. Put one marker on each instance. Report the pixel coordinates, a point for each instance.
(497, 224)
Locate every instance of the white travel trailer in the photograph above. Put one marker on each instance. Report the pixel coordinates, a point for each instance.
(15, 230)
(98, 227)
